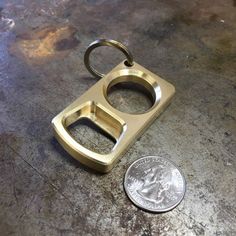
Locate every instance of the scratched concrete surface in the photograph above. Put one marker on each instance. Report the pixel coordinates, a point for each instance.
(192, 44)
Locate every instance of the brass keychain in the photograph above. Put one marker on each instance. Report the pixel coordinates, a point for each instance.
(94, 105)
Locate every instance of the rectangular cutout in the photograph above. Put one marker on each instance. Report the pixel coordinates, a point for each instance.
(91, 136)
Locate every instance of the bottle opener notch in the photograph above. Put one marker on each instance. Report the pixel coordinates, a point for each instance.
(125, 128)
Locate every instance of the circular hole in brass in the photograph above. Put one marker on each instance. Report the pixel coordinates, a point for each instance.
(127, 63)
(131, 94)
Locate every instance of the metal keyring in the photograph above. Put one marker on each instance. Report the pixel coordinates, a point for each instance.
(105, 42)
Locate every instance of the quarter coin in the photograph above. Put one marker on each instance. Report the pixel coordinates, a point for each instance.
(154, 184)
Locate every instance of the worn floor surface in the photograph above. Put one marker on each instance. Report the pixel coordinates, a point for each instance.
(192, 44)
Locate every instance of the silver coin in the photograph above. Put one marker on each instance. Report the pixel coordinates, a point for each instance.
(154, 184)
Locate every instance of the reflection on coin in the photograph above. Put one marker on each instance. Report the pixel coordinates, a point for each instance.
(154, 184)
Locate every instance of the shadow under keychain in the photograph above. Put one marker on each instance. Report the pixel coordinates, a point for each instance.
(125, 128)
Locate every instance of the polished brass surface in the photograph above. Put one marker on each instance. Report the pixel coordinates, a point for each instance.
(123, 127)
(110, 43)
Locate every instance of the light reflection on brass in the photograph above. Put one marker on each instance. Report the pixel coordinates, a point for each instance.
(123, 127)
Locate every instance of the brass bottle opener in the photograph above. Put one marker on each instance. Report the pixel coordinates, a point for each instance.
(93, 104)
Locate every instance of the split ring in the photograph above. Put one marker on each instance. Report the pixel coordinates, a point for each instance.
(105, 42)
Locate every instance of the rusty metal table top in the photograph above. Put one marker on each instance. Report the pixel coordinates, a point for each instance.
(191, 44)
